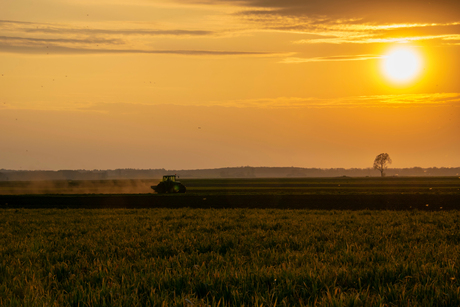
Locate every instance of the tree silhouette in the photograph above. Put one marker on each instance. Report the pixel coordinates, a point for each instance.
(381, 163)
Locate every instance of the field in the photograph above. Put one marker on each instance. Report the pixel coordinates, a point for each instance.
(344, 193)
(228, 257)
(249, 252)
(256, 186)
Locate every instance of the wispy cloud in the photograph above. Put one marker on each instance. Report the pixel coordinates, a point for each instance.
(371, 101)
(45, 38)
(345, 28)
(355, 31)
(376, 11)
(369, 39)
(13, 40)
(340, 58)
(405, 100)
(62, 29)
(29, 49)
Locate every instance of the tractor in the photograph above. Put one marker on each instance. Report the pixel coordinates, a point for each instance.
(169, 184)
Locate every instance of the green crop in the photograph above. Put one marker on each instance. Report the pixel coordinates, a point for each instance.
(228, 257)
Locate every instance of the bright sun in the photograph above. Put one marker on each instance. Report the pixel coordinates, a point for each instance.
(402, 64)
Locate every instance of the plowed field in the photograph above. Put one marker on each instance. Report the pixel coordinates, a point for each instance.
(292, 193)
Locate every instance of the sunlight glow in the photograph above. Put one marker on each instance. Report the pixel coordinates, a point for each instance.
(402, 64)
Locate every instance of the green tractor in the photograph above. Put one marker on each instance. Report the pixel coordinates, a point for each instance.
(169, 184)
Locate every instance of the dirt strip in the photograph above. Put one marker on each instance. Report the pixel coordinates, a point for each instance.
(318, 202)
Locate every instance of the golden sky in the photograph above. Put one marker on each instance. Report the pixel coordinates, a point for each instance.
(183, 84)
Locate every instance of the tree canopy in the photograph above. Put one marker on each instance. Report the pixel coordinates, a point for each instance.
(381, 163)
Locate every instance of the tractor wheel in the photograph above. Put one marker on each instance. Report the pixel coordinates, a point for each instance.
(174, 189)
(161, 188)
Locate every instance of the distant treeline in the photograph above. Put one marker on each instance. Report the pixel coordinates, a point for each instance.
(229, 172)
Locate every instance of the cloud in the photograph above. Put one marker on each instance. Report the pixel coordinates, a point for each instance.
(359, 21)
(47, 41)
(31, 37)
(404, 100)
(353, 39)
(362, 57)
(44, 38)
(369, 11)
(341, 31)
(351, 32)
(174, 32)
(371, 101)
(47, 28)
(32, 49)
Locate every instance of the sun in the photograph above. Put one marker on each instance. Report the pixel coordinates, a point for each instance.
(402, 64)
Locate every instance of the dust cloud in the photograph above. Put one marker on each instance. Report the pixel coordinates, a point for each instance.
(135, 186)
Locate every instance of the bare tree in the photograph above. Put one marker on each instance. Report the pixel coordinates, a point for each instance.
(381, 163)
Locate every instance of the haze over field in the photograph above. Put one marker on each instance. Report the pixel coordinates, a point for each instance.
(183, 84)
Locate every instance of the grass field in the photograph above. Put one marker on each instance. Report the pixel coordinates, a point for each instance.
(236, 255)
(228, 257)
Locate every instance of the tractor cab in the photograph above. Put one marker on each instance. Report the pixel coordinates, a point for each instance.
(169, 178)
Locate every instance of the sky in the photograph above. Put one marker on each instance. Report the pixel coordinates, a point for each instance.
(184, 84)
